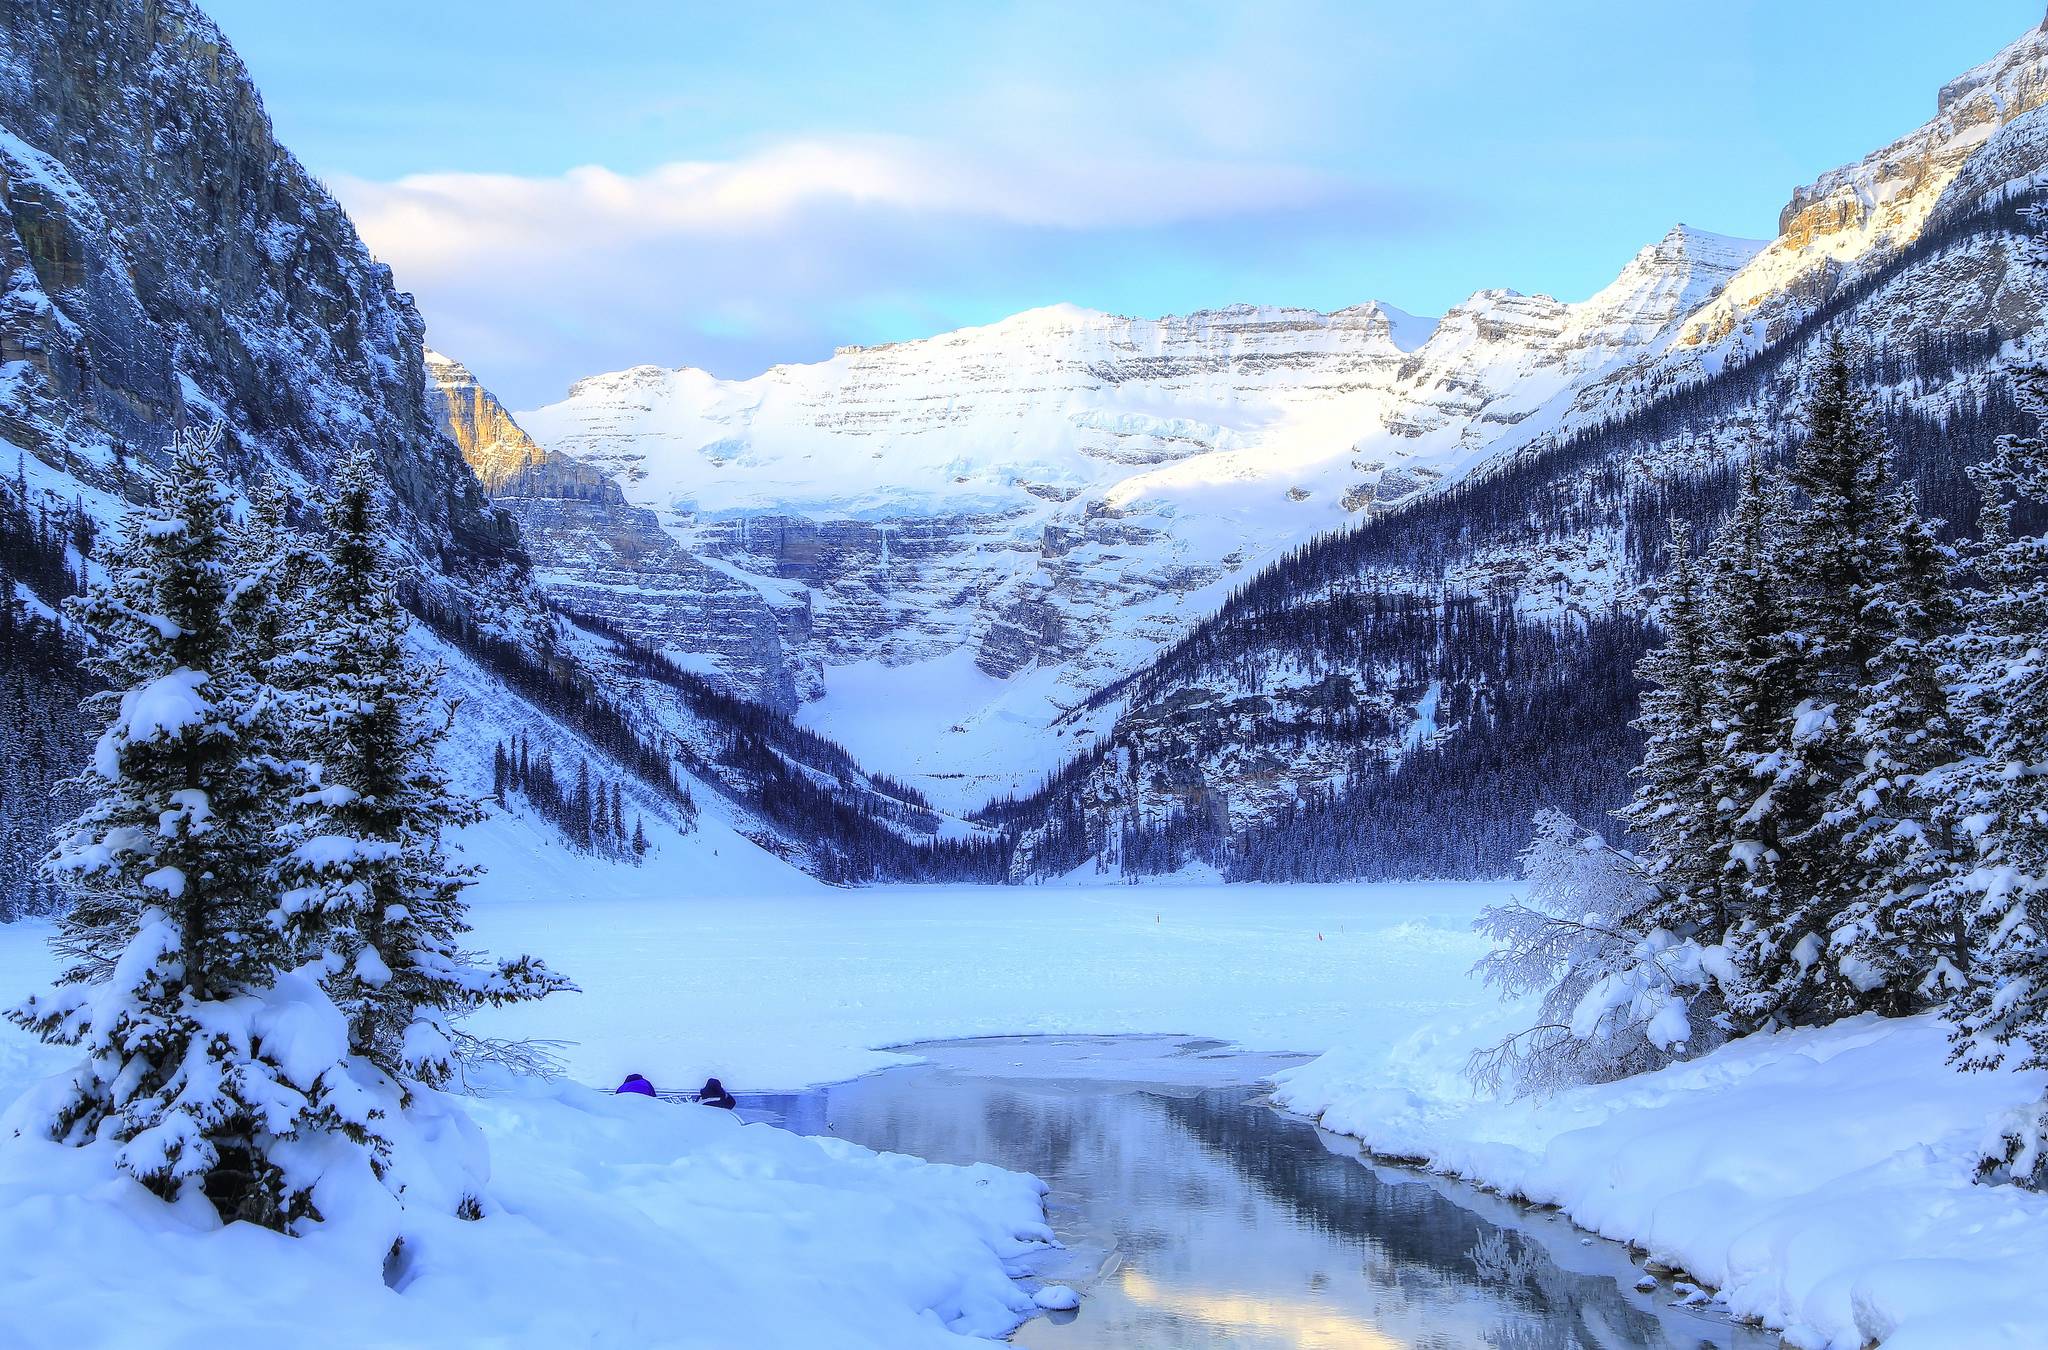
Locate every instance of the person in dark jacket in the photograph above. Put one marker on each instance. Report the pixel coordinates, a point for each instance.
(714, 1094)
(635, 1083)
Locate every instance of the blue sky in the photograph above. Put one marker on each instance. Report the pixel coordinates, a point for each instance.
(572, 189)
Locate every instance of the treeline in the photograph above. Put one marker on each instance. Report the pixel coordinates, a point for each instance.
(593, 820)
(1522, 712)
(1557, 736)
(852, 828)
(42, 684)
(1841, 799)
(561, 688)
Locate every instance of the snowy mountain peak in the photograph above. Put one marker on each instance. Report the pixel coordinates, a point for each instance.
(1996, 75)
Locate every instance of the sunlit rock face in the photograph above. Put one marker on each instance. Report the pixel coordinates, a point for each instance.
(494, 446)
(1878, 203)
(1065, 490)
(597, 554)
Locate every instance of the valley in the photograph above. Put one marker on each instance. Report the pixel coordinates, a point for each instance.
(1317, 824)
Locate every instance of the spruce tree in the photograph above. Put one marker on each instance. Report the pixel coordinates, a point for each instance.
(1753, 690)
(1996, 796)
(369, 880)
(174, 965)
(1864, 584)
(1673, 809)
(1895, 940)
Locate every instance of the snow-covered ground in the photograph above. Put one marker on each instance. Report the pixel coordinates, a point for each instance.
(1820, 1180)
(609, 1221)
(616, 1221)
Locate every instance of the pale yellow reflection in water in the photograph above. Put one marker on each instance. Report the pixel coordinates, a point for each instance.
(1281, 1321)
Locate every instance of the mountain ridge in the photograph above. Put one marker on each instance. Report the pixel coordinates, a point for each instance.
(1059, 492)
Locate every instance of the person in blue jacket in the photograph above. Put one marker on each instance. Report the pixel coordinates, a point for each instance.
(635, 1083)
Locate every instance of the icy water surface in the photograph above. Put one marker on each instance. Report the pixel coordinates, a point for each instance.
(1196, 1215)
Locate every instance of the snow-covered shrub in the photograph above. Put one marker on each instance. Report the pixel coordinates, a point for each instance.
(1615, 999)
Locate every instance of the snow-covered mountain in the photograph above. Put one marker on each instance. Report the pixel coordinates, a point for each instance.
(1398, 698)
(998, 521)
(960, 541)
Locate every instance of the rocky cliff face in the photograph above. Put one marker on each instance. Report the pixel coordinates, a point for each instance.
(492, 444)
(166, 261)
(1060, 494)
(1877, 204)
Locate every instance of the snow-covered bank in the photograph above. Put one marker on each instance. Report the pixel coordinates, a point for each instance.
(608, 1221)
(781, 990)
(1821, 1180)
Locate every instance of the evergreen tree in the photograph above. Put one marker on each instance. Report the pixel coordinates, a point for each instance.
(1673, 812)
(1864, 587)
(1895, 939)
(174, 966)
(369, 881)
(1752, 696)
(580, 811)
(1996, 797)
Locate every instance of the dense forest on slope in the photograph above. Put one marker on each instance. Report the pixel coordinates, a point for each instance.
(1282, 738)
(43, 739)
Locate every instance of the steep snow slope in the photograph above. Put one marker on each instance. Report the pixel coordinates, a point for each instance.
(1060, 493)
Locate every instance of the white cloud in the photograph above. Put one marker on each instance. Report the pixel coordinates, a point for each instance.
(784, 252)
(442, 215)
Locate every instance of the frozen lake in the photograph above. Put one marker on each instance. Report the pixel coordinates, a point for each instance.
(1195, 1215)
(789, 990)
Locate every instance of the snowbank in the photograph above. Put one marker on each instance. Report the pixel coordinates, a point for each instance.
(1820, 1180)
(607, 1221)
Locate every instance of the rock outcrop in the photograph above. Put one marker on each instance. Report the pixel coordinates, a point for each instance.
(166, 262)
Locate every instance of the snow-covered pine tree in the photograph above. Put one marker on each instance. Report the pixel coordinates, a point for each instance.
(1894, 941)
(266, 598)
(1996, 797)
(1863, 581)
(1673, 812)
(369, 881)
(1752, 691)
(205, 1054)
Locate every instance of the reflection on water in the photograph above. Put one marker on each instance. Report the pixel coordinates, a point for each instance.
(1195, 1215)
